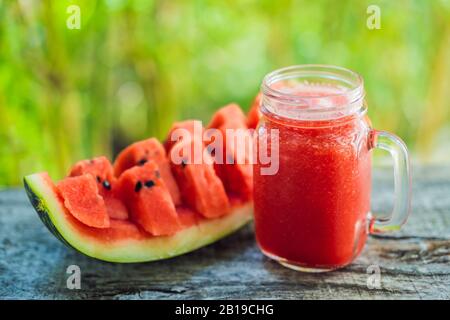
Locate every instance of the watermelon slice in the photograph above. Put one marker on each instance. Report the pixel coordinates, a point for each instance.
(236, 170)
(171, 207)
(148, 199)
(142, 151)
(124, 241)
(102, 171)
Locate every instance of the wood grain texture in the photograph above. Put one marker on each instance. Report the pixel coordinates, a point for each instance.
(414, 263)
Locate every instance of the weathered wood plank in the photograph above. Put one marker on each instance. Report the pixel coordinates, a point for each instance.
(414, 263)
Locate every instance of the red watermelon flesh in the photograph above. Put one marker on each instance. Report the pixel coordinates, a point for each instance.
(116, 208)
(82, 199)
(254, 113)
(236, 169)
(229, 114)
(121, 229)
(200, 187)
(188, 217)
(192, 128)
(101, 169)
(98, 167)
(139, 153)
(238, 176)
(148, 199)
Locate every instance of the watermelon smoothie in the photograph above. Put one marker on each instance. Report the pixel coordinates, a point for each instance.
(314, 213)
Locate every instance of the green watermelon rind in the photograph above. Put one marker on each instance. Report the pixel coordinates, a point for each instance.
(52, 213)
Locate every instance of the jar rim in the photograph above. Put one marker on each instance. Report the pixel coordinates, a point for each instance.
(319, 69)
(346, 83)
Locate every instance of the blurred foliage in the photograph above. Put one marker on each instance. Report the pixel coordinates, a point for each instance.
(136, 66)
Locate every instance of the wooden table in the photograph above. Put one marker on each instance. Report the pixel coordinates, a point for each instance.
(413, 264)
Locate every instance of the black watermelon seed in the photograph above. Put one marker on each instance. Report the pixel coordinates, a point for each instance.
(149, 183)
(106, 185)
(138, 186)
(142, 162)
(99, 180)
(183, 163)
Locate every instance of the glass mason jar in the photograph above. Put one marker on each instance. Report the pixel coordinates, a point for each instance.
(313, 213)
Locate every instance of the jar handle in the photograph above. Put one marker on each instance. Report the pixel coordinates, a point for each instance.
(402, 182)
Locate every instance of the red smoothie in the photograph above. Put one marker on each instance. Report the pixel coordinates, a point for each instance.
(313, 212)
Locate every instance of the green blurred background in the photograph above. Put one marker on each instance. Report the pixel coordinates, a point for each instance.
(136, 66)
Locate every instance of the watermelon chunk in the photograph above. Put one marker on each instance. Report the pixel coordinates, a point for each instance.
(148, 199)
(192, 127)
(139, 153)
(236, 169)
(98, 167)
(229, 114)
(101, 169)
(83, 201)
(200, 186)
